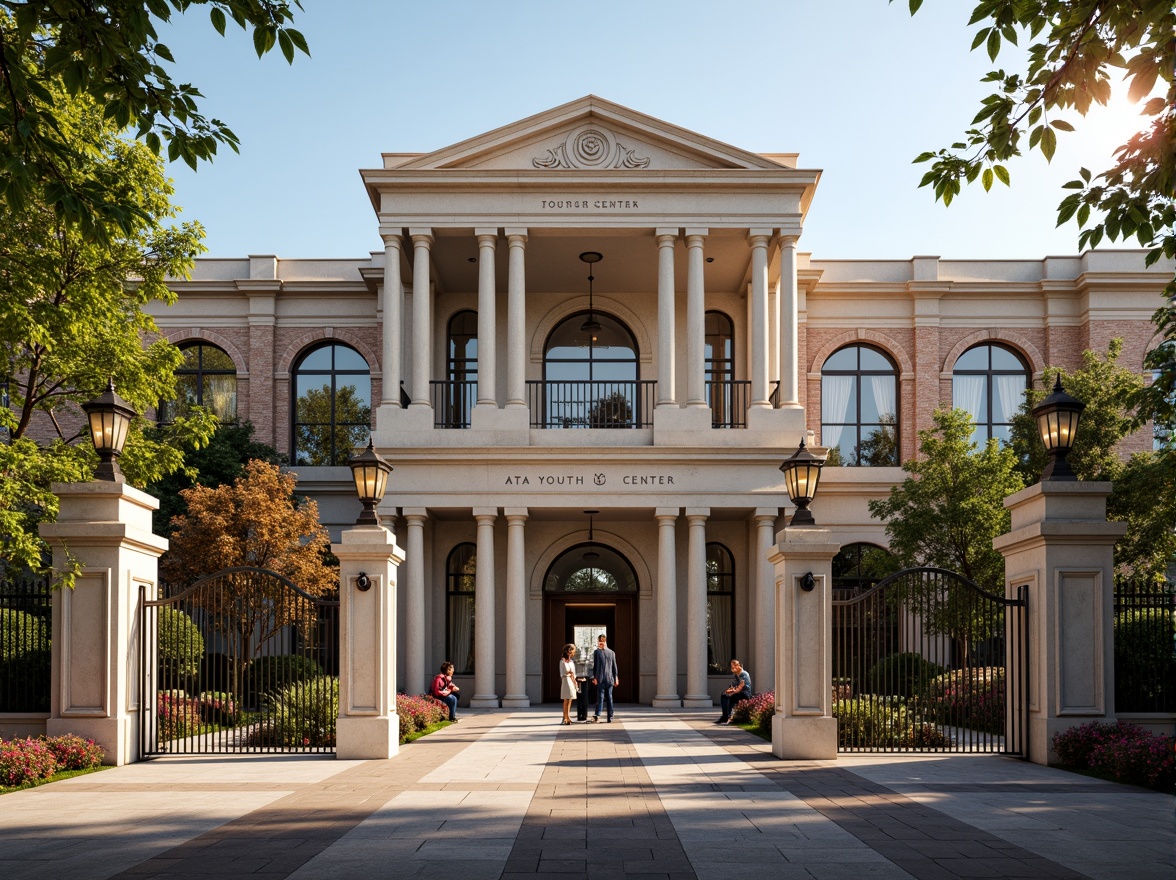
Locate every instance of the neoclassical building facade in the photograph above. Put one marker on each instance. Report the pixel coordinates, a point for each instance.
(590, 341)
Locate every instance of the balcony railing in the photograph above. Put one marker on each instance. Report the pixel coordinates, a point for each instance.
(452, 402)
(599, 404)
(728, 401)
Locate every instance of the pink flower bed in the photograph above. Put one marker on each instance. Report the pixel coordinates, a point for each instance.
(1123, 752)
(418, 712)
(27, 760)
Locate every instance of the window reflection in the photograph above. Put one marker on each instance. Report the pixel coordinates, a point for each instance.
(332, 391)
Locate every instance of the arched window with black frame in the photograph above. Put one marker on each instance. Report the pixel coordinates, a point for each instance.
(207, 377)
(460, 572)
(858, 567)
(725, 396)
(859, 407)
(989, 381)
(460, 393)
(332, 413)
(720, 608)
(591, 376)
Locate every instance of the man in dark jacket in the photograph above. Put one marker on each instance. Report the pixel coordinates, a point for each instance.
(604, 676)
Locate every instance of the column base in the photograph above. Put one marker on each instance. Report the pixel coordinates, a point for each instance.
(367, 738)
(804, 737)
(516, 702)
(117, 736)
(697, 701)
(667, 701)
(484, 701)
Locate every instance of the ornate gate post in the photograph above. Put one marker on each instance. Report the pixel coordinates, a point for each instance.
(368, 725)
(804, 726)
(106, 527)
(1061, 548)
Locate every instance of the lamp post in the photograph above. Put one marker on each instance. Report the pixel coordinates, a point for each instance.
(1057, 421)
(370, 473)
(802, 472)
(109, 417)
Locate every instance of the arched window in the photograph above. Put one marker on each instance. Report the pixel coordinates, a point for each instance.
(989, 381)
(206, 378)
(728, 409)
(332, 390)
(590, 568)
(720, 608)
(460, 571)
(859, 407)
(461, 390)
(857, 567)
(590, 376)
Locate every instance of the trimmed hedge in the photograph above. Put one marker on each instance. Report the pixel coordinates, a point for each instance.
(903, 675)
(304, 714)
(874, 722)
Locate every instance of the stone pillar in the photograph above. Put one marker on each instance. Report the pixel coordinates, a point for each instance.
(758, 327)
(368, 726)
(516, 319)
(392, 328)
(1061, 547)
(804, 726)
(789, 323)
(763, 616)
(667, 610)
(695, 318)
(422, 317)
(416, 678)
(696, 692)
(667, 394)
(96, 691)
(516, 610)
(487, 307)
(485, 623)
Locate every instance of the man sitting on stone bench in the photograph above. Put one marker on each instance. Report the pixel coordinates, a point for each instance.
(740, 689)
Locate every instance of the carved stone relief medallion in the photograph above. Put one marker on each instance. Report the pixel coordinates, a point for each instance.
(590, 146)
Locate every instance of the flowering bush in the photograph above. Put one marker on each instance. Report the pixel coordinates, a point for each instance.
(25, 760)
(757, 711)
(973, 698)
(177, 714)
(217, 707)
(419, 712)
(1124, 752)
(74, 753)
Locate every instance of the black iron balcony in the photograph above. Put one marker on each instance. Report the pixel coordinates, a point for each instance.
(728, 400)
(452, 402)
(598, 404)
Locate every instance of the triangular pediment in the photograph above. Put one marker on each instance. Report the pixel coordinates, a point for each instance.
(590, 134)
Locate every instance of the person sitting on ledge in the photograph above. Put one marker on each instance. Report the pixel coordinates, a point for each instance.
(740, 689)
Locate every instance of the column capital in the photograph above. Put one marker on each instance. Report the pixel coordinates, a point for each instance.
(667, 512)
(697, 512)
(481, 513)
(515, 512)
(411, 513)
(481, 231)
(662, 231)
(696, 231)
(788, 238)
(515, 232)
(393, 239)
(420, 234)
(762, 234)
(762, 513)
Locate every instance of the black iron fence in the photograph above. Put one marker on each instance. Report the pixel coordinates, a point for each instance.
(1145, 645)
(728, 401)
(595, 404)
(25, 634)
(453, 402)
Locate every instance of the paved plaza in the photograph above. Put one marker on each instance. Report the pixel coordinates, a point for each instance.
(656, 794)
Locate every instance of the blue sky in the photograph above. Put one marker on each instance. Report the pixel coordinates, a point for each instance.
(857, 87)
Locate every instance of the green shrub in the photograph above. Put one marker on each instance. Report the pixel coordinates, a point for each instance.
(21, 633)
(1145, 660)
(181, 646)
(304, 714)
(28, 680)
(880, 722)
(973, 698)
(903, 675)
(272, 674)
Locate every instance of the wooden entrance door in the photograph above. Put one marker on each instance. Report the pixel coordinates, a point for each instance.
(615, 615)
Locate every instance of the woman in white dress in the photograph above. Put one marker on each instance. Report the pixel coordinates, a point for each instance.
(567, 684)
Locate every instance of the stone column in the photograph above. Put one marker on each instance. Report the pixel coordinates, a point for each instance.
(789, 323)
(485, 622)
(422, 317)
(696, 692)
(804, 726)
(758, 328)
(667, 394)
(392, 329)
(95, 693)
(487, 307)
(516, 610)
(1061, 547)
(695, 318)
(763, 616)
(667, 610)
(516, 319)
(368, 725)
(416, 676)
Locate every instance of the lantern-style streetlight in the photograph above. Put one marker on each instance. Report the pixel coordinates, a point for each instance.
(109, 417)
(370, 473)
(1057, 421)
(802, 472)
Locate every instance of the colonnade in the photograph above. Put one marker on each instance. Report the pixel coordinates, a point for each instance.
(676, 601)
(760, 342)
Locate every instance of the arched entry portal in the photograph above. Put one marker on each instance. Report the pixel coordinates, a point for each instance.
(589, 589)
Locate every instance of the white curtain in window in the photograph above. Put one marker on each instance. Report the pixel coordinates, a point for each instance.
(883, 387)
(1010, 391)
(967, 393)
(836, 392)
(461, 633)
(718, 609)
(220, 396)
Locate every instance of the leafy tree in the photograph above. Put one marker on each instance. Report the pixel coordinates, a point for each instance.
(107, 54)
(880, 448)
(612, 411)
(69, 322)
(945, 514)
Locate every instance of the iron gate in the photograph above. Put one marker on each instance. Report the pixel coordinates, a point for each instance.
(242, 660)
(928, 661)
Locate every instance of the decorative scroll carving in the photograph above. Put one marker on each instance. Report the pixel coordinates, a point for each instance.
(590, 147)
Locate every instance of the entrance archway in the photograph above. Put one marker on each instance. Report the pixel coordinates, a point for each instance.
(589, 589)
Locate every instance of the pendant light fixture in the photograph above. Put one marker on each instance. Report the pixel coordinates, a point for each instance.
(590, 554)
(591, 326)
